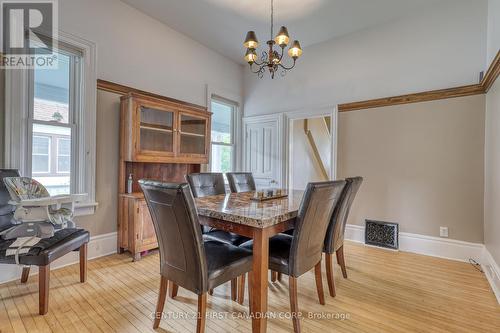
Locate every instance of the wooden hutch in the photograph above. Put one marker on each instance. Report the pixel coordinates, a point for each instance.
(160, 139)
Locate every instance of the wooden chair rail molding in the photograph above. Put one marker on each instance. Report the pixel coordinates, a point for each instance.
(474, 89)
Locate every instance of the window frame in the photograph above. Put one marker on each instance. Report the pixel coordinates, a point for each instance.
(233, 131)
(74, 110)
(17, 126)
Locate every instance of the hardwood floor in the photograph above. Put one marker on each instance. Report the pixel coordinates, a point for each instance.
(385, 292)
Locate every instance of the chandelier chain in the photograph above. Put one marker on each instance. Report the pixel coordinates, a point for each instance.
(272, 18)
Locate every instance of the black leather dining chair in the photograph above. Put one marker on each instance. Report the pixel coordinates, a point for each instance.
(206, 184)
(44, 252)
(241, 181)
(186, 258)
(334, 240)
(297, 254)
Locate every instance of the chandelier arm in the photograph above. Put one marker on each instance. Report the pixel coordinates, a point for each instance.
(288, 68)
(258, 71)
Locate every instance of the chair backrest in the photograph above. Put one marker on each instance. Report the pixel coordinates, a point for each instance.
(314, 215)
(6, 210)
(240, 181)
(175, 219)
(205, 184)
(336, 229)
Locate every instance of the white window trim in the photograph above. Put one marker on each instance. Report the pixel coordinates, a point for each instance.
(16, 123)
(215, 92)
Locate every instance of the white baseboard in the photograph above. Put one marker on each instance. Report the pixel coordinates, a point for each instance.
(427, 245)
(492, 272)
(99, 246)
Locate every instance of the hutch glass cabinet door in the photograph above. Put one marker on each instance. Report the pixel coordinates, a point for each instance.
(156, 128)
(193, 134)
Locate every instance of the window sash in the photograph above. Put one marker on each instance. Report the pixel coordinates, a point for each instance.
(232, 126)
(74, 109)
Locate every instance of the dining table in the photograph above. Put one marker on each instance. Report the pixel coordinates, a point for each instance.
(241, 214)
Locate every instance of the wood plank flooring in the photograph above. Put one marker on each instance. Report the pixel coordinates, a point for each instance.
(385, 292)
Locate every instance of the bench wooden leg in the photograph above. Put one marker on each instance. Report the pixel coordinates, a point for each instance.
(25, 274)
(83, 263)
(43, 289)
(274, 276)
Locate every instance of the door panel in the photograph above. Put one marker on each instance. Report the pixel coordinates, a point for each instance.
(262, 152)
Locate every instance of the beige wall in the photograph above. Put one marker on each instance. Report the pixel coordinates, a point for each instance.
(492, 173)
(423, 165)
(107, 155)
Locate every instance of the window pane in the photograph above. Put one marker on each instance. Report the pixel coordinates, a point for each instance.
(63, 164)
(41, 145)
(64, 147)
(222, 158)
(40, 163)
(52, 169)
(222, 120)
(51, 90)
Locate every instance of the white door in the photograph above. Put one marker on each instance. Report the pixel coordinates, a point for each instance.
(262, 150)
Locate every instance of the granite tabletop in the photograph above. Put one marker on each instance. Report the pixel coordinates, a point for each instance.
(239, 208)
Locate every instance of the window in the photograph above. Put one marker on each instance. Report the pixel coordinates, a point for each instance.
(51, 121)
(223, 129)
(53, 113)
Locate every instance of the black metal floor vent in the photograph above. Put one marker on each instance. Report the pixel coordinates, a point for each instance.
(383, 234)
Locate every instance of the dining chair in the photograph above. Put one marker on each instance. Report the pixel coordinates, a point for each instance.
(297, 254)
(187, 259)
(334, 240)
(206, 184)
(241, 181)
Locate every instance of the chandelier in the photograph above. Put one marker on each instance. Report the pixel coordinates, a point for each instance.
(272, 59)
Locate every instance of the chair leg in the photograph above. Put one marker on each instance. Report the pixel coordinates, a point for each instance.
(202, 313)
(174, 289)
(319, 283)
(294, 304)
(241, 289)
(43, 289)
(25, 274)
(162, 295)
(341, 261)
(83, 263)
(274, 276)
(280, 275)
(234, 289)
(329, 273)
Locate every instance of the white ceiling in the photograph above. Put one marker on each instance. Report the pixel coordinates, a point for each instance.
(222, 24)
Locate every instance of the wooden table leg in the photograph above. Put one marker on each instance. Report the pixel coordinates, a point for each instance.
(259, 280)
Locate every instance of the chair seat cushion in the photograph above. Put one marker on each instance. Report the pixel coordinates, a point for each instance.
(48, 249)
(226, 237)
(225, 262)
(279, 252)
